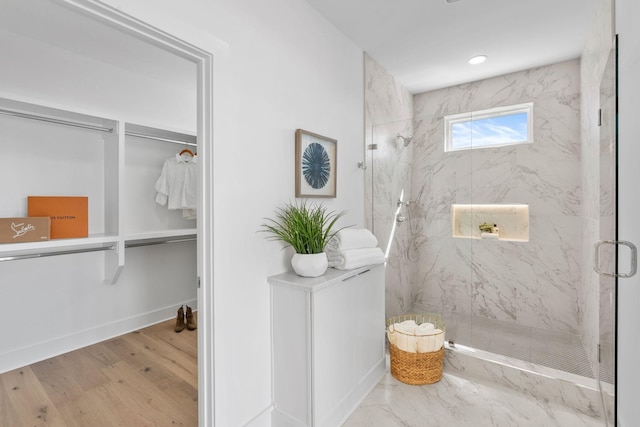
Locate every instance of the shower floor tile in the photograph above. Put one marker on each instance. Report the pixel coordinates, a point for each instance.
(460, 402)
(555, 350)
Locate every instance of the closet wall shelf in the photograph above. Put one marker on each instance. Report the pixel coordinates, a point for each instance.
(152, 133)
(26, 110)
(18, 251)
(43, 254)
(159, 241)
(60, 244)
(122, 164)
(161, 234)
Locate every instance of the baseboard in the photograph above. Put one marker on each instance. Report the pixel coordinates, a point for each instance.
(24, 356)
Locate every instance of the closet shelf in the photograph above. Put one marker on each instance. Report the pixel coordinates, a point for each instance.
(123, 161)
(161, 234)
(159, 240)
(8, 248)
(17, 251)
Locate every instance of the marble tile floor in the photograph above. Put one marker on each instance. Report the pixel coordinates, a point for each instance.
(456, 401)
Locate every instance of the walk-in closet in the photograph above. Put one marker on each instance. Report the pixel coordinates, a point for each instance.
(88, 110)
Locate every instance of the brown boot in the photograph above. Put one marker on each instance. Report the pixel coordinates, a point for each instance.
(191, 319)
(180, 320)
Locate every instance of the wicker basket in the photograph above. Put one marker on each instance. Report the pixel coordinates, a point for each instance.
(417, 368)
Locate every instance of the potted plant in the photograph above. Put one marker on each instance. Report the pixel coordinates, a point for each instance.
(307, 229)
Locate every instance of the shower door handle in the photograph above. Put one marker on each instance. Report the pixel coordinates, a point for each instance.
(634, 258)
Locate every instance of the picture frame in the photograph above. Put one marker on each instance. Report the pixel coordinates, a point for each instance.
(316, 165)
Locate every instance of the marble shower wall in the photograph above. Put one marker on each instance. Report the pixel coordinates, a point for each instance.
(389, 112)
(531, 283)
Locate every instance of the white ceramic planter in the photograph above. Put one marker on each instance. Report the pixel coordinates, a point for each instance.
(310, 265)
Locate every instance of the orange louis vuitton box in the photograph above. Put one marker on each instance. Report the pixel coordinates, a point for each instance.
(69, 215)
(17, 230)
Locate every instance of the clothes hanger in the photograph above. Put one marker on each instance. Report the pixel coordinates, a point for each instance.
(187, 151)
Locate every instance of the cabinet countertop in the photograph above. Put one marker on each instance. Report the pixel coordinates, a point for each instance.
(315, 284)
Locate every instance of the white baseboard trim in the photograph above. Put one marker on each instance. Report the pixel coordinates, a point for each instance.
(24, 356)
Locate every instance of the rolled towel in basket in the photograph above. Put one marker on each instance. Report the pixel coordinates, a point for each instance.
(349, 238)
(407, 343)
(430, 343)
(405, 339)
(392, 337)
(439, 340)
(426, 343)
(425, 329)
(354, 258)
(407, 327)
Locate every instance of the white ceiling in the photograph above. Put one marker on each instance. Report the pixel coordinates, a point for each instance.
(52, 23)
(425, 44)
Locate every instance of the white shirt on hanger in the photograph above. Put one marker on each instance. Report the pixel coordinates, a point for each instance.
(177, 186)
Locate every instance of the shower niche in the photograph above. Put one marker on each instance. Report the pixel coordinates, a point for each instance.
(512, 221)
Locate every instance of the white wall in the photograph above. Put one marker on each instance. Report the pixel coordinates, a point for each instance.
(626, 13)
(287, 68)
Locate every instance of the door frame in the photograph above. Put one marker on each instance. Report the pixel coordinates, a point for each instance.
(203, 58)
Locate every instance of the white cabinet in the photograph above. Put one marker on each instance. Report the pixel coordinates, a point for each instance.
(114, 163)
(328, 344)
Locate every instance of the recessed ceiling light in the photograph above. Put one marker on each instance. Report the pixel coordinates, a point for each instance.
(479, 59)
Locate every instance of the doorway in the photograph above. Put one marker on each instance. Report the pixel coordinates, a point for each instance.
(108, 82)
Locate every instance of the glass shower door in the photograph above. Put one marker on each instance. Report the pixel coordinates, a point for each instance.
(607, 254)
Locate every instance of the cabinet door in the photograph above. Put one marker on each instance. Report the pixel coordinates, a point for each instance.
(348, 342)
(334, 328)
(370, 321)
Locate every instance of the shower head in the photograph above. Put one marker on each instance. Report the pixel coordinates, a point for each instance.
(405, 140)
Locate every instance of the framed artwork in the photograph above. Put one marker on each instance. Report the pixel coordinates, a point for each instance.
(315, 165)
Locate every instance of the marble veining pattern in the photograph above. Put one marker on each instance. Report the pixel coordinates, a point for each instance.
(532, 283)
(461, 402)
(389, 112)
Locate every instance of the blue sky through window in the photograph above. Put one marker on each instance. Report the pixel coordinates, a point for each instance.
(484, 132)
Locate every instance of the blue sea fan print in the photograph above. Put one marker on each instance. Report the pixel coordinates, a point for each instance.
(316, 167)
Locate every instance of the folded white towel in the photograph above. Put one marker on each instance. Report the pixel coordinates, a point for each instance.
(354, 258)
(350, 238)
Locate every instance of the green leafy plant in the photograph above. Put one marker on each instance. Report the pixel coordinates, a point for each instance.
(306, 228)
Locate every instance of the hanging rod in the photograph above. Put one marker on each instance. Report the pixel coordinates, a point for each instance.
(159, 242)
(57, 121)
(66, 252)
(158, 138)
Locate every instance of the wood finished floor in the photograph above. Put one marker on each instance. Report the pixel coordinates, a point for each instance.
(144, 378)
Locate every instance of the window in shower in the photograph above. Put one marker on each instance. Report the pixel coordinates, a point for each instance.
(495, 127)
